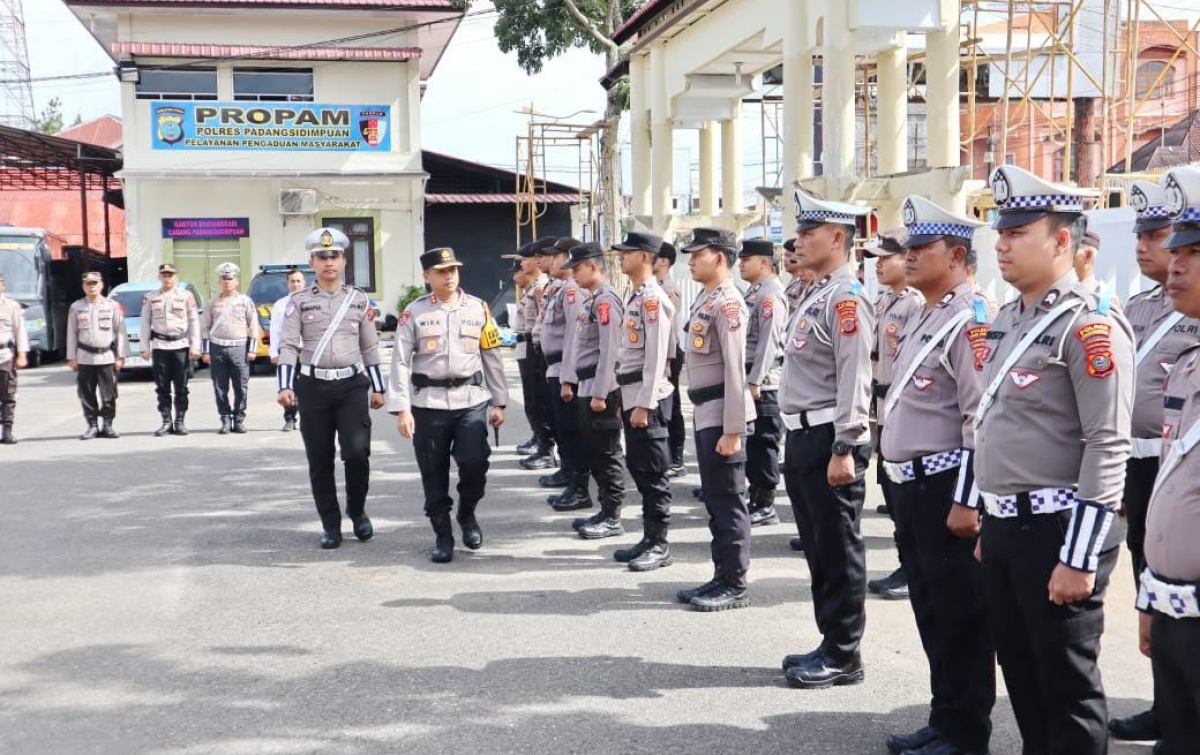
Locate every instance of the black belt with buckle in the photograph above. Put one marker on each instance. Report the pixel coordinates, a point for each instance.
(704, 395)
(155, 336)
(586, 373)
(553, 357)
(423, 381)
(629, 378)
(96, 349)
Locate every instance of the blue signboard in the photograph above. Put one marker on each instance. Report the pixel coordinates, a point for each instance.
(271, 126)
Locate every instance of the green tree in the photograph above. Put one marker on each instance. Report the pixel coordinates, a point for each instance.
(51, 119)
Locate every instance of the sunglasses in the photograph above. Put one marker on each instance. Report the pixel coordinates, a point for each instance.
(91, 283)
(166, 275)
(228, 277)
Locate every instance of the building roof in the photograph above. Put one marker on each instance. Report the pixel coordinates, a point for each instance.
(500, 198)
(59, 212)
(439, 5)
(638, 19)
(105, 131)
(1178, 145)
(457, 177)
(260, 52)
(30, 160)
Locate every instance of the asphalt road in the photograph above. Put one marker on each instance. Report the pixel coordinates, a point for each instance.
(165, 596)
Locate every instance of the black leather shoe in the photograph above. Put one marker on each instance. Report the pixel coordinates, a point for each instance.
(559, 479)
(698, 493)
(572, 500)
(225, 426)
(471, 533)
(796, 544)
(625, 555)
(363, 529)
(535, 461)
(1142, 727)
(799, 659)
(940, 747)
(443, 545)
(106, 429)
(165, 428)
(330, 540)
(91, 432)
(764, 516)
(289, 425)
(528, 447)
(723, 597)
(606, 527)
(239, 426)
(686, 595)
(676, 470)
(881, 509)
(655, 557)
(179, 428)
(892, 587)
(822, 672)
(898, 743)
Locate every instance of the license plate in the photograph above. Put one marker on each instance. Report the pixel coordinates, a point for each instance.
(135, 361)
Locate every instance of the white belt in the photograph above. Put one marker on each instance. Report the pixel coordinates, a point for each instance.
(1044, 501)
(819, 417)
(1146, 448)
(322, 374)
(223, 342)
(1176, 601)
(906, 471)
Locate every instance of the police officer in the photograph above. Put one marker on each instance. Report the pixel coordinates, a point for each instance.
(14, 351)
(328, 361)
(1161, 335)
(1170, 622)
(676, 429)
(543, 263)
(1052, 440)
(1085, 257)
(170, 338)
(800, 277)
(825, 403)
(765, 330)
(723, 409)
(446, 346)
(897, 303)
(229, 330)
(96, 349)
(296, 281)
(539, 451)
(927, 450)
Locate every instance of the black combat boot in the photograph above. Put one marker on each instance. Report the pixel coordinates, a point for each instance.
(609, 526)
(676, 469)
(472, 535)
(363, 529)
(529, 446)
(657, 555)
(6, 435)
(239, 425)
(91, 432)
(729, 594)
(685, 596)
(443, 547)
(226, 426)
(179, 428)
(762, 507)
(560, 479)
(289, 425)
(106, 429)
(165, 428)
(541, 457)
(625, 555)
(586, 520)
(577, 496)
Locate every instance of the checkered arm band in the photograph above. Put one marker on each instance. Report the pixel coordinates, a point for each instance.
(284, 376)
(376, 375)
(1154, 212)
(1189, 215)
(941, 229)
(1090, 522)
(1048, 202)
(966, 493)
(825, 216)
(1143, 596)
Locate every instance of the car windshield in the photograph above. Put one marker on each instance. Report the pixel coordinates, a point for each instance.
(268, 288)
(130, 301)
(17, 255)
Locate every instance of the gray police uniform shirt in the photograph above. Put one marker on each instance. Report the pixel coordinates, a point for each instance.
(1173, 519)
(715, 355)
(765, 333)
(235, 328)
(827, 357)
(559, 324)
(595, 345)
(549, 291)
(527, 312)
(13, 338)
(309, 315)
(645, 347)
(96, 325)
(1147, 313)
(934, 410)
(172, 315)
(444, 340)
(671, 289)
(794, 293)
(892, 312)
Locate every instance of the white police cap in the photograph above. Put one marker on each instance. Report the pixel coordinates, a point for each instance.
(325, 240)
(228, 268)
(1150, 202)
(812, 212)
(926, 223)
(1024, 198)
(1182, 189)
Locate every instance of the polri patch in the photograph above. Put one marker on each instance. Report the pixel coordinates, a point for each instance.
(977, 337)
(848, 316)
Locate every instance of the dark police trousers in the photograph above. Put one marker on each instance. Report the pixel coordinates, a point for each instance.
(170, 376)
(536, 393)
(1139, 484)
(93, 379)
(228, 364)
(601, 435)
(647, 456)
(1048, 653)
(440, 434)
(566, 429)
(676, 427)
(8, 392)
(723, 479)
(829, 521)
(1176, 644)
(762, 447)
(329, 410)
(946, 588)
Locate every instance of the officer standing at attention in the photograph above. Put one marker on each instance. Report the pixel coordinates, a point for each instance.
(1161, 335)
(765, 331)
(96, 349)
(328, 360)
(229, 329)
(676, 429)
(927, 443)
(1170, 622)
(1052, 440)
(825, 402)
(1085, 257)
(539, 450)
(170, 338)
(446, 345)
(539, 266)
(14, 350)
(723, 411)
(295, 282)
(589, 379)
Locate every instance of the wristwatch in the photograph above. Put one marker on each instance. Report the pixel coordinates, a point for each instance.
(841, 448)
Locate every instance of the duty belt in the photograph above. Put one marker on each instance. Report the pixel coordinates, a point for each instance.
(156, 336)
(1173, 599)
(811, 419)
(553, 357)
(1146, 448)
(1043, 501)
(340, 373)
(880, 390)
(586, 373)
(629, 378)
(700, 396)
(922, 466)
(423, 381)
(96, 349)
(228, 343)
(522, 337)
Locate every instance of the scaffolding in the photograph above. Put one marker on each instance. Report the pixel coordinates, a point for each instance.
(17, 108)
(574, 141)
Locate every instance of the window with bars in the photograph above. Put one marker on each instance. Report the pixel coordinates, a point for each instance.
(360, 257)
(177, 84)
(273, 84)
(1147, 75)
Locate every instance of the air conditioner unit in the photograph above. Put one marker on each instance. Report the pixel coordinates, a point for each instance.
(297, 201)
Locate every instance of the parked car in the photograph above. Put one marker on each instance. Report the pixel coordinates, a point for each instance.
(129, 297)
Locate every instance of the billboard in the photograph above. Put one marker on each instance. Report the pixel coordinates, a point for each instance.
(270, 127)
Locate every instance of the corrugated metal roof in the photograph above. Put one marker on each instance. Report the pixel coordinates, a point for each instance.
(58, 212)
(498, 198)
(407, 4)
(186, 50)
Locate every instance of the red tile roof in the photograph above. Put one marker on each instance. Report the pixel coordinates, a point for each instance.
(181, 50)
(105, 131)
(407, 4)
(636, 20)
(498, 198)
(58, 212)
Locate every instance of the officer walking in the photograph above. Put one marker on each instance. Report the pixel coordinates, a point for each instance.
(927, 443)
(295, 282)
(229, 330)
(539, 451)
(328, 360)
(825, 403)
(676, 429)
(1052, 439)
(765, 331)
(723, 409)
(96, 349)
(446, 347)
(14, 351)
(170, 338)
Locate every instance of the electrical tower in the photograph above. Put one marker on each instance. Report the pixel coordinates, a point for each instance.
(16, 107)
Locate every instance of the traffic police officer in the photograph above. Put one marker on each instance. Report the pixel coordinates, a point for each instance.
(723, 409)
(96, 349)
(765, 330)
(1052, 439)
(826, 403)
(589, 378)
(229, 330)
(446, 346)
(927, 443)
(14, 350)
(676, 428)
(328, 360)
(296, 281)
(170, 338)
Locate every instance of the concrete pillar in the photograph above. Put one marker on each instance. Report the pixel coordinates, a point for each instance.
(942, 95)
(797, 99)
(892, 111)
(639, 134)
(661, 142)
(708, 170)
(837, 94)
(731, 169)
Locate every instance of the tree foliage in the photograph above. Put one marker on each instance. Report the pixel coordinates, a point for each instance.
(51, 119)
(539, 30)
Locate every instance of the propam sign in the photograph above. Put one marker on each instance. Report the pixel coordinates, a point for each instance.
(293, 127)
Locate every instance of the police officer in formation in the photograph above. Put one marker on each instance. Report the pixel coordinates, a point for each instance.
(1052, 439)
(14, 355)
(446, 387)
(927, 446)
(170, 338)
(676, 428)
(96, 349)
(296, 281)
(800, 277)
(229, 331)
(329, 363)
(539, 449)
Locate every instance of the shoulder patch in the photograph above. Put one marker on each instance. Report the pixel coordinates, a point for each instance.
(732, 311)
(289, 309)
(767, 308)
(1096, 338)
(977, 337)
(405, 316)
(847, 312)
(651, 308)
(605, 310)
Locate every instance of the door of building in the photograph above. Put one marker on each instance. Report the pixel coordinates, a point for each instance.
(197, 260)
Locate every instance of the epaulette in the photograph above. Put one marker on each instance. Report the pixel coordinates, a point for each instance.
(980, 308)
